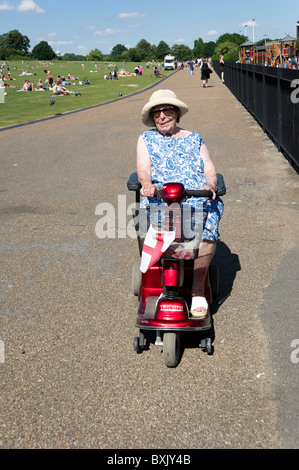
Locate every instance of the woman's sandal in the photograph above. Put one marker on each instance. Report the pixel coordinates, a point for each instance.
(199, 307)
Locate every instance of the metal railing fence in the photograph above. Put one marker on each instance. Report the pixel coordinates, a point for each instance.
(271, 95)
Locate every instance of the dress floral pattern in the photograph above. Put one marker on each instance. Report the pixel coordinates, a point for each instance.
(176, 159)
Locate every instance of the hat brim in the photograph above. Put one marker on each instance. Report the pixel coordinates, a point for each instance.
(147, 118)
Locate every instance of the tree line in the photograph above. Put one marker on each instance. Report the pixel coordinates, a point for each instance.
(16, 45)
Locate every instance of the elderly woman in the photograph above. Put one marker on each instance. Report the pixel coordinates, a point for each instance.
(168, 153)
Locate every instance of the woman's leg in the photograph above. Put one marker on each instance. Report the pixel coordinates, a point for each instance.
(201, 265)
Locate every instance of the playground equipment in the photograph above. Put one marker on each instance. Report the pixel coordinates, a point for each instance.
(275, 54)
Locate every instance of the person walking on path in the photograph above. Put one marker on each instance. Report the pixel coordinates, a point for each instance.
(191, 66)
(205, 73)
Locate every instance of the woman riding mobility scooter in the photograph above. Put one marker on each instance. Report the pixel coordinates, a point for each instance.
(164, 286)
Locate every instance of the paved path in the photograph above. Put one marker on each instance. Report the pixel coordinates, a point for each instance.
(70, 378)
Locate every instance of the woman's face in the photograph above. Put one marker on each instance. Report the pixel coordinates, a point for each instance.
(165, 117)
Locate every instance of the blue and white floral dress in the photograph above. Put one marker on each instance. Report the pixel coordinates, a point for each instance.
(178, 159)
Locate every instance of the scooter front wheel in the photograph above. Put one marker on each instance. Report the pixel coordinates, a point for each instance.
(171, 348)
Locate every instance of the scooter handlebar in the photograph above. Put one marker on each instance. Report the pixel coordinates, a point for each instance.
(192, 193)
(200, 193)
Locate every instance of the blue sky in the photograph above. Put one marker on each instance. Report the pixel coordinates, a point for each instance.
(79, 26)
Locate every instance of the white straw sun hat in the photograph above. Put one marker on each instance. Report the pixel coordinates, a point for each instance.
(158, 98)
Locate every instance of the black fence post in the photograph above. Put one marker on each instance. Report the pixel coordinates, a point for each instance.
(279, 111)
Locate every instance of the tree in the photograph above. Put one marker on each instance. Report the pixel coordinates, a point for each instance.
(134, 55)
(229, 45)
(228, 49)
(117, 51)
(162, 50)
(14, 41)
(125, 56)
(4, 52)
(43, 51)
(198, 48)
(208, 49)
(181, 52)
(71, 56)
(95, 54)
(234, 38)
(145, 50)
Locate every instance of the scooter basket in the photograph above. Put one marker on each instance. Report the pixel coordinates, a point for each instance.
(187, 221)
(187, 250)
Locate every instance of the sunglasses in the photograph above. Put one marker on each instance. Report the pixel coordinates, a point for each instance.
(167, 111)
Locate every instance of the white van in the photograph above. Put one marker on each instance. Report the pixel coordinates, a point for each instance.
(169, 62)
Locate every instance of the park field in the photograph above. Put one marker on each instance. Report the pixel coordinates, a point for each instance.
(24, 106)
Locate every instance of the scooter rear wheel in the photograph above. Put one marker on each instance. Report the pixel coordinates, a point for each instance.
(136, 278)
(136, 345)
(171, 348)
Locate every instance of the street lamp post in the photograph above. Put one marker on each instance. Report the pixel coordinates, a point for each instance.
(265, 36)
(253, 29)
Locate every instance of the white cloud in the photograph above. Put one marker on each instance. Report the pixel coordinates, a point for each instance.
(249, 23)
(107, 32)
(29, 5)
(211, 33)
(131, 15)
(60, 43)
(6, 6)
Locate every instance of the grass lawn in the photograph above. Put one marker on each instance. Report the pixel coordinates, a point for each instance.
(20, 107)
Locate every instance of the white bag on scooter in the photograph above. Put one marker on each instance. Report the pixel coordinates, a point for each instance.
(155, 244)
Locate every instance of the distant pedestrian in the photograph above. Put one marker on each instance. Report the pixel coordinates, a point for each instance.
(205, 73)
(191, 66)
(221, 61)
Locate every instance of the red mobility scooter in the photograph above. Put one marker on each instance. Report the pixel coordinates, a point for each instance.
(164, 290)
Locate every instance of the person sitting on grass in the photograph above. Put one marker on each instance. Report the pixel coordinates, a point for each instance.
(27, 86)
(58, 89)
(158, 73)
(40, 85)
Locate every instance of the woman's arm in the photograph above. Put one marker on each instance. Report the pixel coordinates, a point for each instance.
(209, 170)
(144, 169)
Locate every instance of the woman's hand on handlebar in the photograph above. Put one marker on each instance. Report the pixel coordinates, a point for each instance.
(210, 187)
(148, 190)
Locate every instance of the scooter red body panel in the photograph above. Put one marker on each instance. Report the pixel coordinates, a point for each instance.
(160, 313)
